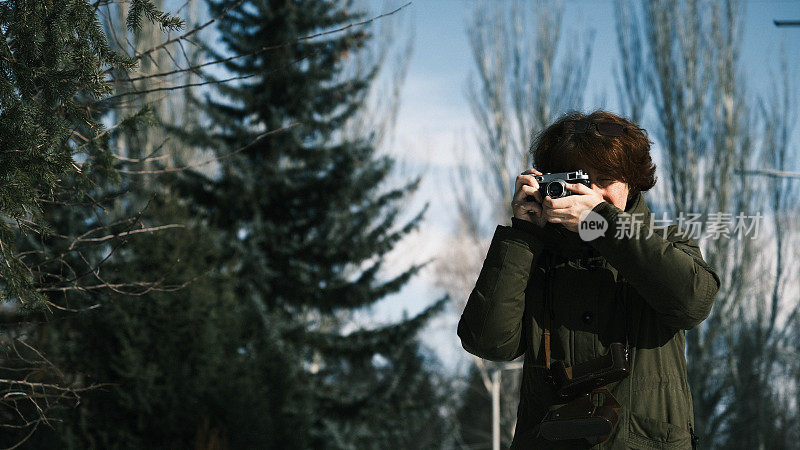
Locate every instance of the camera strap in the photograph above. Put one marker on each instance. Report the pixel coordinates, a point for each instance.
(548, 312)
(623, 297)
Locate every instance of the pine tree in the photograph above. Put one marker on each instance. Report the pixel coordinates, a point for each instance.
(293, 234)
(168, 343)
(171, 364)
(51, 63)
(309, 213)
(54, 66)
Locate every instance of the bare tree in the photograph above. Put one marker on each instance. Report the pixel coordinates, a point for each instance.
(707, 131)
(763, 348)
(519, 86)
(630, 76)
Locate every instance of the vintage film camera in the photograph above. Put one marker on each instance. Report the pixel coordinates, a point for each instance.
(554, 184)
(593, 411)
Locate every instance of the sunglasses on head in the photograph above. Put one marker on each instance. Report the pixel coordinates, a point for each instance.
(604, 128)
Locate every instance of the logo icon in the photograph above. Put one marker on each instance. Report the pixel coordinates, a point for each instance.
(591, 225)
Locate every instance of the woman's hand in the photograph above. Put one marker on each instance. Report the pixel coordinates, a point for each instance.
(528, 210)
(567, 210)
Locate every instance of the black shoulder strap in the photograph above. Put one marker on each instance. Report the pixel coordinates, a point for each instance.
(548, 307)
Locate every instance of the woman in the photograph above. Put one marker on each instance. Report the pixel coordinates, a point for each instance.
(559, 300)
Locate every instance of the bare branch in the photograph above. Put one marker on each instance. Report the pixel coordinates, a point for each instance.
(769, 173)
(174, 88)
(128, 233)
(148, 286)
(273, 47)
(209, 161)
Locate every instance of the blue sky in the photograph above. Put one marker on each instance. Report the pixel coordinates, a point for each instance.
(435, 118)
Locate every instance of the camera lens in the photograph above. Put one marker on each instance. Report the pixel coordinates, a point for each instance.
(555, 189)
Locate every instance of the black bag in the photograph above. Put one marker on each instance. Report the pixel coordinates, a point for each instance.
(584, 377)
(591, 417)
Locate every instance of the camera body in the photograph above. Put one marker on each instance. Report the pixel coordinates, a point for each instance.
(554, 184)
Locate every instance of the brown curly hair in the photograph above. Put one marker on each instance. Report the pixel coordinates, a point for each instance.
(624, 158)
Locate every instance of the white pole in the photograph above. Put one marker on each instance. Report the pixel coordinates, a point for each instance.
(495, 389)
(496, 409)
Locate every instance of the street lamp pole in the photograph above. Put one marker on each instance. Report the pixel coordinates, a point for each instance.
(496, 409)
(496, 400)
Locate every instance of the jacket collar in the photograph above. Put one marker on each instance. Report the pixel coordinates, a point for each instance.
(637, 205)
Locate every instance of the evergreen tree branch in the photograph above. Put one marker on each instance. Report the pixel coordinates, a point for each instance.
(149, 10)
(190, 32)
(372, 341)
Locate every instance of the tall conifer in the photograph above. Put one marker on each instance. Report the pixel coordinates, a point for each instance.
(311, 213)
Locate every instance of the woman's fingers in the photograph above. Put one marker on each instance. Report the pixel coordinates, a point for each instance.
(552, 216)
(528, 180)
(555, 212)
(523, 180)
(527, 207)
(526, 190)
(521, 202)
(527, 198)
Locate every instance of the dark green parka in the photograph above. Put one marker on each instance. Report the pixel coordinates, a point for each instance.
(637, 284)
